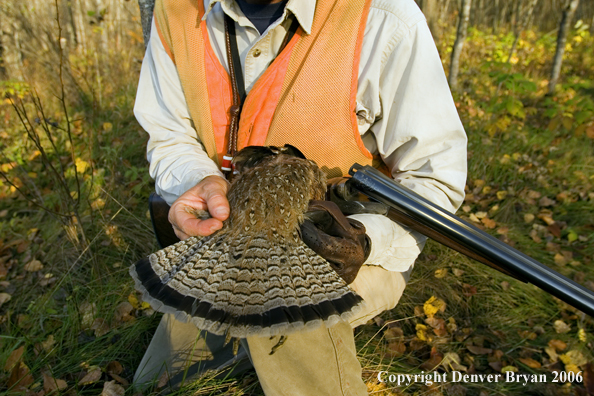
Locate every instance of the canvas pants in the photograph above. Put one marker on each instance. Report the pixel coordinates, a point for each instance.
(319, 362)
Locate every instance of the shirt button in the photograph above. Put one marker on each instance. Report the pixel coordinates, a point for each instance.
(257, 53)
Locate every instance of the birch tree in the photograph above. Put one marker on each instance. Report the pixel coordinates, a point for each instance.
(459, 44)
(521, 24)
(568, 13)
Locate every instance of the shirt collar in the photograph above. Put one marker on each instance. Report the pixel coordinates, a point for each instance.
(302, 9)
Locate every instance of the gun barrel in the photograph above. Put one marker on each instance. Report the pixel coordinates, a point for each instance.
(431, 220)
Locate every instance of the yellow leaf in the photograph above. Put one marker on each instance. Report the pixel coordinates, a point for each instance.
(509, 368)
(107, 126)
(81, 165)
(501, 195)
(134, 301)
(433, 305)
(441, 273)
(561, 327)
(505, 159)
(421, 332)
(582, 335)
(480, 215)
(573, 368)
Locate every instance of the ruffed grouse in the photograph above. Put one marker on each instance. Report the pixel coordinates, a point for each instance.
(254, 276)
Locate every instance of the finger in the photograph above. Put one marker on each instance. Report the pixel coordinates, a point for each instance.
(217, 204)
(194, 226)
(180, 234)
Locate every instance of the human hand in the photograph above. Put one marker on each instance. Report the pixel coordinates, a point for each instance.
(209, 195)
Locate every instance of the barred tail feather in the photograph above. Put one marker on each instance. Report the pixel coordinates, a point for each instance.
(245, 287)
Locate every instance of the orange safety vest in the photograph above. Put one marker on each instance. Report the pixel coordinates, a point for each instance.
(305, 98)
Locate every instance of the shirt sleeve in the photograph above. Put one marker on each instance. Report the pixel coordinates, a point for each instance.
(177, 159)
(418, 133)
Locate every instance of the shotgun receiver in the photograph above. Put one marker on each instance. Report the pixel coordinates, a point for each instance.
(410, 209)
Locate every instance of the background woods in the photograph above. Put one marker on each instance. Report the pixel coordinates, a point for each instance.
(74, 185)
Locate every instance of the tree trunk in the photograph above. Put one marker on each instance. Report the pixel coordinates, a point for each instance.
(561, 39)
(431, 11)
(146, 17)
(521, 25)
(459, 44)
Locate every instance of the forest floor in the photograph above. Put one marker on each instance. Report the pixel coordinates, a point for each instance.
(73, 217)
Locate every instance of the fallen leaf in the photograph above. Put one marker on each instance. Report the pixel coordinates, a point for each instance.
(501, 195)
(479, 350)
(547, 218)
(561, 327)
(4, 297)
(33, 266)
(505, 285)
(433, 305)
(123, 310)
(20, 377)
(110, 388)
(558, 345)
(163, 380)
(533, 194)
(530, 363)
(503, 230)
(48, 344)
(458, 272)
(88, 311)
(441, 273)
(509, 368)
(133, 301)
(100, 327)
(555, 229)
(114, 367)
(120, 379)
(451, 361)
(489, 223)
(51, 384)
(574, 357)
(91, 377)
(480, 215)
(527, 334)
(469, 290)
(421, 331)
(393, 333)
(497, 366)
(553, 357)
(396, 349)
(546, 201)
(528, 218)
(14, 358)
(419, 311)
(434, 361)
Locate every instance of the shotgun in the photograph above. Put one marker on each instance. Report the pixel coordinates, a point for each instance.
(412, 210)
(408, 208)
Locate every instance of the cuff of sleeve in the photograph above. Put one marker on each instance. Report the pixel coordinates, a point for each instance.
(170, 190)
(393, 246)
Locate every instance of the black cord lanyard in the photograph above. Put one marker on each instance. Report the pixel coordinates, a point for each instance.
(238, 84)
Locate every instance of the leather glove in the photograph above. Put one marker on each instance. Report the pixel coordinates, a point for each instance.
(341, 241)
